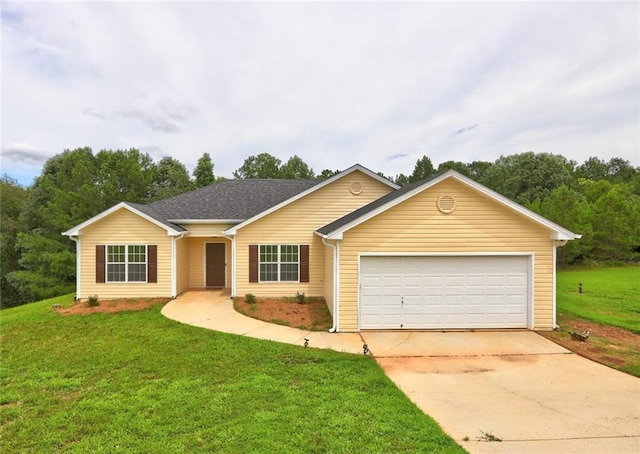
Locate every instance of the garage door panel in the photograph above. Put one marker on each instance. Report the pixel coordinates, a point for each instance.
(444, 292)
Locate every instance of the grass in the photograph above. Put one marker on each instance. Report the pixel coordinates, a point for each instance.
(610, 296)
(138, 382)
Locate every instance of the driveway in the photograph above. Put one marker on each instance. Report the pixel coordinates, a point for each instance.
(517, 386)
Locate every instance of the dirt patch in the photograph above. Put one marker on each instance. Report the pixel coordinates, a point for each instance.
(107, 306)
(312, 315)
(609, 345)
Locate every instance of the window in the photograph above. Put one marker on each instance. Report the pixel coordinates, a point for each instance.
(127, 263)
(279, 263)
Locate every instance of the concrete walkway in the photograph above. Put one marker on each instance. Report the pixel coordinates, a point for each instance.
(516, 385)
(214, 310)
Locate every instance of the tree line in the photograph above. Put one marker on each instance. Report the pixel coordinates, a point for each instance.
(599, 199)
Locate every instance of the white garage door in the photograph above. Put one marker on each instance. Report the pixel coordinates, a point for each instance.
(443, 292)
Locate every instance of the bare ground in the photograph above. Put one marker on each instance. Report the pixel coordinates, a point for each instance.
(313, 315)
(609, 345)
(105, 306)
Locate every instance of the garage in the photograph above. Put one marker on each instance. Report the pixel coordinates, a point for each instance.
(444, 292)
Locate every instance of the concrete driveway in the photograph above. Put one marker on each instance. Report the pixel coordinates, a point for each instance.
(531, 393)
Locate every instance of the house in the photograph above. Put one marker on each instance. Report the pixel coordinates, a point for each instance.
(445, 253)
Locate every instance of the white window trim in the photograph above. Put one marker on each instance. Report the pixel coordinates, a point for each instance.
(126, 264)
(278, 263)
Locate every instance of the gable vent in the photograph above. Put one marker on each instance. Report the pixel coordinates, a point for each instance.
(356, 188)
(446, 204)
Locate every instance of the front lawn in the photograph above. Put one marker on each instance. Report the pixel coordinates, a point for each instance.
(138, 382)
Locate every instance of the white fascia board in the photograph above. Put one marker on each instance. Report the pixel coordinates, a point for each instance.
(75, 231)
(314, 188)
(205, 221)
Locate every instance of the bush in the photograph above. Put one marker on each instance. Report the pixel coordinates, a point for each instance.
(250, 298)
(300, 297)
(92, 301)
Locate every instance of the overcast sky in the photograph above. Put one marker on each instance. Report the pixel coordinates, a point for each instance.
(380, 84)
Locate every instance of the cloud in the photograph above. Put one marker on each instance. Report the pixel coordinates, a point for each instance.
(164, 116)
(403, 81)
(465, 129)
(24, 153)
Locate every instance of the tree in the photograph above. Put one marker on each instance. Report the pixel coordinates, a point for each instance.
(125, 175)
(478, 169)
(296, 168)
(203, 173)
(48, 267)
(326, 173)
(401, 180)
(455, 165)
(592, 169)
(263, 166)
(615, 217)
(171, 178)
(571, 210)
(12, 198)
(528, 176)
(422, 170)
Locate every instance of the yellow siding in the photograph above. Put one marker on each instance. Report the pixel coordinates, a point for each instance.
(124, 227)
(296, 224)
(197, 260)
(478, 224)
(182, 265)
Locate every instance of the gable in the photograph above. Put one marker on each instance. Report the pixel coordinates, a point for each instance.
(141, 211)
(336, 229)
(304, 215)
(339, 195)
(468, 219)
(124, 226)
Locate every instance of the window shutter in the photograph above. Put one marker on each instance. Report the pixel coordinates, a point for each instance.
(304, 263)
(253, 263)
(152, 263)
(100, 263)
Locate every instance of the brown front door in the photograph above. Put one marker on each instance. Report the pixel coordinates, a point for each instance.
(215, 271)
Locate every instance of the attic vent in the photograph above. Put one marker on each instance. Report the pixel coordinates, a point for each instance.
(356, 188)
(446, 204)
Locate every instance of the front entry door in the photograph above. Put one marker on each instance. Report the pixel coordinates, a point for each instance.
(215, 271)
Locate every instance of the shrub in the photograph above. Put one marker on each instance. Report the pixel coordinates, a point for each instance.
(250, 298)
(93, 301)
(300, 297)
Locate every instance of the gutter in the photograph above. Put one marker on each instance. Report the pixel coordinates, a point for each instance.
(336, 284)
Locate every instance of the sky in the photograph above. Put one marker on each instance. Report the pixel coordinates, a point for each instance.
(381, 84)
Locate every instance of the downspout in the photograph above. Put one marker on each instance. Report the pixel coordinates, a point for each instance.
(233, 263)
(76, 239)
(336, 284)
(174, 265)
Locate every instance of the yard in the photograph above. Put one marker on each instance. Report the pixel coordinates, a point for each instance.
(608, 306)
(134, 381)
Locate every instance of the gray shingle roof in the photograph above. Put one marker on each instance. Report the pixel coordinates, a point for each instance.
(149, 211)
(230, 199)
(346, 219)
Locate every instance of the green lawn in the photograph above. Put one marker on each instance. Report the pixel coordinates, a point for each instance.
(610, 296)
(138, 382)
